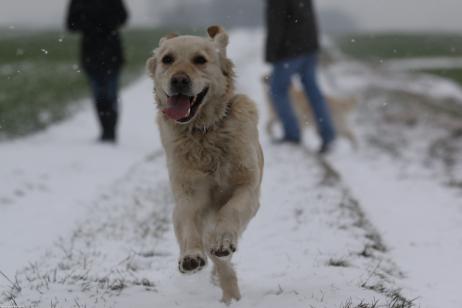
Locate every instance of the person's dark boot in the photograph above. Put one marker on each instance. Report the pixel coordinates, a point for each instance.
(108, 136)
(108, 121)
(325, 148)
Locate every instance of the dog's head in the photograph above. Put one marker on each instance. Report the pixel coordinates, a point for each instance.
(193, 78)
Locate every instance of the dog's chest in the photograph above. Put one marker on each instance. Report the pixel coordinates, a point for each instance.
(210, 155)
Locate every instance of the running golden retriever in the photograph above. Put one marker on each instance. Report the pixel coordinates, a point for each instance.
(214, 157)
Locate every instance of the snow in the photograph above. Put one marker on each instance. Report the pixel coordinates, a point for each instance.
(424, 63)
(51, 177)
(85, 224)
(363, 76)
(419, 221)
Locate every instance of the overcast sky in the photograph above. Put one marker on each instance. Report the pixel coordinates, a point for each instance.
(370, 15)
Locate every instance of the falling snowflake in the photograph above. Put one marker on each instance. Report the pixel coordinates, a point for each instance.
(76, 68)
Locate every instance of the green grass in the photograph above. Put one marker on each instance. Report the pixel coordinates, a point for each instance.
(376, 47)
(400, 46)
(40, 81)
(453, 74)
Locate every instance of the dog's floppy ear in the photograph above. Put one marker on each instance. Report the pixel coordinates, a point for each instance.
(151, 64)
(167, 37)
(152, 61)
(219, 36)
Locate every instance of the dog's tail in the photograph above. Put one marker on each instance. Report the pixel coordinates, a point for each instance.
(347, 104)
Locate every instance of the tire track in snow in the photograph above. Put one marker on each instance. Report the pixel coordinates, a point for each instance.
(376, 249)
(105, 252)
(125, 251)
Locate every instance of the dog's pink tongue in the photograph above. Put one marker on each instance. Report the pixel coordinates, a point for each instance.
(178, 107)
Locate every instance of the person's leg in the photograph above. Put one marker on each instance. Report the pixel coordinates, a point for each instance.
(97, 87)
(320, 108)
(112, 88)
(112, 84)
(280, 82)
(104, 88)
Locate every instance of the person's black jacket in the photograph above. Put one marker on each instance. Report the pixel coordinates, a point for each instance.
(98, 21)
(291, 29)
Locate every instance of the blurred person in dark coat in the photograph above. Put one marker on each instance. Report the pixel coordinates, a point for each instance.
(292, 46)
(101, 54)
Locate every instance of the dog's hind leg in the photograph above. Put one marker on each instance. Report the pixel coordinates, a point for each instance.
(227, 279)
(352, 138)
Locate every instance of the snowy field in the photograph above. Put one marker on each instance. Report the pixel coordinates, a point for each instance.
(88, 225)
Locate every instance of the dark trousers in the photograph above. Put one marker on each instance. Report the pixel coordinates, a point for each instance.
(281, 79)
(104, 87)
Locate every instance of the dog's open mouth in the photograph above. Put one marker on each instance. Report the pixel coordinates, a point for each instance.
(183, 108)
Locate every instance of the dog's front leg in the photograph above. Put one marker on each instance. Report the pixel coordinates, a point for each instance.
(186, 219)
(231, 221)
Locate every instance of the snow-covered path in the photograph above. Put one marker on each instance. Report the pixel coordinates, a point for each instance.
(49, 180)
(419, 221)
(89, 225)
(407, 178)
(408, 172)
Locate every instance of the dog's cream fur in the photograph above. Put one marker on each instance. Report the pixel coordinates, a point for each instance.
(339, 108)
(215, 161)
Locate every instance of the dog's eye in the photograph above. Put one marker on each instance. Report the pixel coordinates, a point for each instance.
(168, 59)
(199, 60)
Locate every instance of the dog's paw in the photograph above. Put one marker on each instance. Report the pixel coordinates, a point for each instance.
(191, 263)
(223, 244)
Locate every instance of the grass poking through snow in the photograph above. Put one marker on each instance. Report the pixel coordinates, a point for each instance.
(396, 301)
(41, 78)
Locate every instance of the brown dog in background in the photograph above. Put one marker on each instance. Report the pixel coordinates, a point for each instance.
(339, 108)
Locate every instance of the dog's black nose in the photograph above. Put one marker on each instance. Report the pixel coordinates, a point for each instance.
(180, 83)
